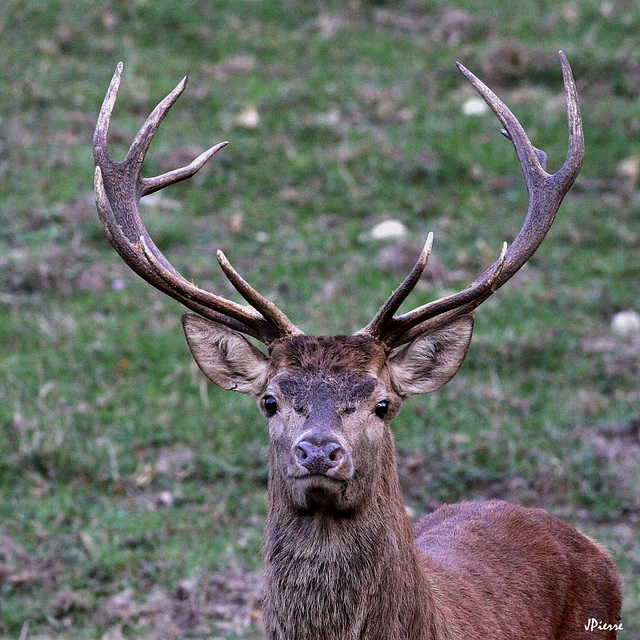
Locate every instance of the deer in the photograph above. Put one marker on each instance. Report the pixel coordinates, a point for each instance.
(342, 560)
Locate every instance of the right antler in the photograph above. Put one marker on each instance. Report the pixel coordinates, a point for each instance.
(119, 187)
(546, 192)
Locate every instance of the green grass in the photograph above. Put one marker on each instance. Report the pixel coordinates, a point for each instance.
(123, 475)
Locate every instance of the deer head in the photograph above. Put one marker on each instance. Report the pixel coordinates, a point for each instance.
(329, 401)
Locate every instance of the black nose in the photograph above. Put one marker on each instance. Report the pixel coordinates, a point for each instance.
(319, 454)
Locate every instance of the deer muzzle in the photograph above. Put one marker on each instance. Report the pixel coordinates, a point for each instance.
(321, 453)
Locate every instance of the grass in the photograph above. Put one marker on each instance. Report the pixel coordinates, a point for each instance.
(131, 492)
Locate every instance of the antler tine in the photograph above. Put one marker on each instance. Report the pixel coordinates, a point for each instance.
(575, 154)
(385, 315)
(186, 290)
(546, 192)
(276, 318)
(430, 315)
(119, 187)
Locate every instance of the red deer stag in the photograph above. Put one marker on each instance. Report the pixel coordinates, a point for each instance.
(341, 559)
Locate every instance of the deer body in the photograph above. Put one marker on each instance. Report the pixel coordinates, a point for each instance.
(341, 558)
(434, 588)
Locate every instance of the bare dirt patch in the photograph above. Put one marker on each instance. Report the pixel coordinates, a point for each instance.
(213, 606)
(451, 26)
(21, 569)
(56, 269)
(619, 445)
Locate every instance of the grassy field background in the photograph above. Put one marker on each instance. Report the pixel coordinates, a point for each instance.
(132, 492)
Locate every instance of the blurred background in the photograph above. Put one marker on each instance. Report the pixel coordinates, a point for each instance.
(132, 492)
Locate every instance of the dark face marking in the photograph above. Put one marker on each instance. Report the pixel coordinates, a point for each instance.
(342, 391)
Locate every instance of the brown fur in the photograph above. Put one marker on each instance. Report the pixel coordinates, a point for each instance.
(341, 562)
(528, 572)
(339, 353)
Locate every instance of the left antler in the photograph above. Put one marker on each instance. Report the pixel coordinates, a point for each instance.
(546, 192)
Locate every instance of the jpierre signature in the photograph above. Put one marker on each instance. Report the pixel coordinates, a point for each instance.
(597, 625)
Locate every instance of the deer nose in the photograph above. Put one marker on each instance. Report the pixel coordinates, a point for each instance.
(319, 453)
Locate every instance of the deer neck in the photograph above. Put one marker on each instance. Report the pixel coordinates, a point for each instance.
(353, 576)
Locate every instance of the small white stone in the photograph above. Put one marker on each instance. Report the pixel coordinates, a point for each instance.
(474, 107)
(626, 323)
(629, 169)
(389, 229)
(164, 499)
(328, 119)
(249, 118)
(160, 201)
(607, 10)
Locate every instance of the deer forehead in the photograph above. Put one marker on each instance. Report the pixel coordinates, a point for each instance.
(328, 373)
(354, 354)
(329, 402)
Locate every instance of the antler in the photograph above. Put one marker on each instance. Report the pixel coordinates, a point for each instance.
(119, 187)
(546, 192)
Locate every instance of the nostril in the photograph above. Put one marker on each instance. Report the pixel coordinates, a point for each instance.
(335, 454)
(302, 451)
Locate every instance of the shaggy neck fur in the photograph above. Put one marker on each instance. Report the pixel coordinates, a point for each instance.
(352, 576)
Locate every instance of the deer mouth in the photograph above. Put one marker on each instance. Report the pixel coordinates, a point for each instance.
(311, 481)
(321, 491)
(341, 473)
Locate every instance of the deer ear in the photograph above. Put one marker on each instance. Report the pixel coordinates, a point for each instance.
(226, 357)
(432, 359)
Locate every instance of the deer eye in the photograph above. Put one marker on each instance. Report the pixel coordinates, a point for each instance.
(270, 405)
(382, 408)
